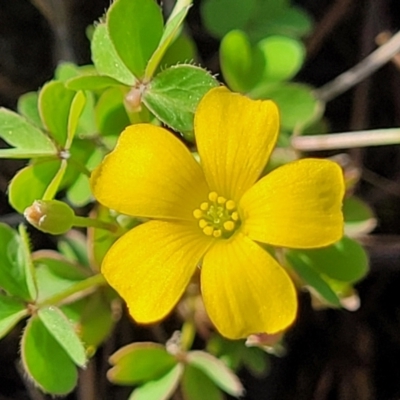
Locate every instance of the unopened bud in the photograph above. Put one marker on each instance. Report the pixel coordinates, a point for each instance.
(50, 216)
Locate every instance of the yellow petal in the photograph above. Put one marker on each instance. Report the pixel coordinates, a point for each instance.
(151, 265)
(235, 137)
(245, 290)
(297, 205)
(150, 173)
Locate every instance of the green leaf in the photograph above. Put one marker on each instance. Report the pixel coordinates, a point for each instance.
(106, 59)
(30, 183)
(66, 71)
(110, 113)
(54, 106)
(181, 50)
(63, 332)
(55, 183)
(74, 247)
(358, 217)
(11, 312)
(79, 193)
(135, 28)
(96, 319)
(284, 57)
(140, 362)
(173, 95)
(344, 261)
(25, 257)
(28, 108)
(75, 112)
(27, 140)
(222, 16)
(91, 82)
(55, 274)
(198, 386)
(100, 240)
(301, 265)
(15, 272)
(87, 124)
(45, 361)
(297, 104)
(217, 371)
(242, 65)
(172, 27)
(160, 389)
(256, 360)
(272, 17)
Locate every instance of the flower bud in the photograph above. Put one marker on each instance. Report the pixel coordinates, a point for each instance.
(50, 216)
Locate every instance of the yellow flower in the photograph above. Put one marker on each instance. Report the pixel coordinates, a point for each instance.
(214, 214)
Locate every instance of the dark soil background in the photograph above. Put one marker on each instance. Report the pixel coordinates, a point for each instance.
(332, 355)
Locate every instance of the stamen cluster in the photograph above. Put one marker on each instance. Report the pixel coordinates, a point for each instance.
(218, 217)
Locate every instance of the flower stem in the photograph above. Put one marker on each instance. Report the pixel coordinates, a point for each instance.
(347, 140)
(188, 334)
(82, 288)
(85, 222)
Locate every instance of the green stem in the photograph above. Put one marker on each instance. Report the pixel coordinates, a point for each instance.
(80, 287)
(347, 140)
(85, 222)
(188, 334)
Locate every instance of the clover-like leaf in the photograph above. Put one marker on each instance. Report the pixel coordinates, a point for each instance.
(106, 58)
(217, 371)
(173, 96)
(358, 217)
(37, 177)
(15, 267)
(46, 363)
(161, 388)
(135, 28)
(196, 385)
(63, 332)
(171, 29)
(54, 107)
(137, 363)
(27, 140)
(11, 312)
(312, 278)
(344, 261)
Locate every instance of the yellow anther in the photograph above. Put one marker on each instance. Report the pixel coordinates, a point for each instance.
(203, 223)
(217, 233)
(197, 213)
(204, 206)
(208, 230)
(229, 226)
(235, 216)
(230, 205)
(213, 196)
(221, 200)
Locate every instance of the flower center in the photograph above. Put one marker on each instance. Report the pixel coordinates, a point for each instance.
(218, 216)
